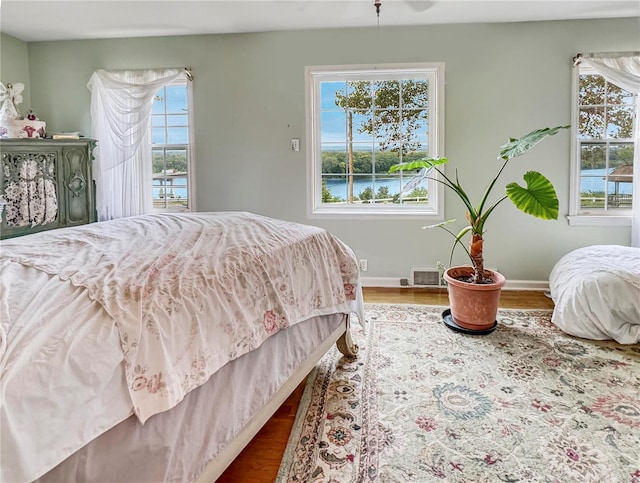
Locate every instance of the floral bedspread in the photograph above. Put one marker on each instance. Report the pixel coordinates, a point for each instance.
(191, 292)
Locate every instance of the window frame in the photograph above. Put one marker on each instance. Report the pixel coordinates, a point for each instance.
(189, 148)
(577, 215)
(434, 71)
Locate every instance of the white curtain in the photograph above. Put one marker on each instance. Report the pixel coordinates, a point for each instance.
(623, 70)
(121, 104)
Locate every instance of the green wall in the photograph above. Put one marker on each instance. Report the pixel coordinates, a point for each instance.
(14, 67)
(501, 80)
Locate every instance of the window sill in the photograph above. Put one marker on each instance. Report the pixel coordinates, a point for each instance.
(353, 213)
(602, 220)
(171, 210)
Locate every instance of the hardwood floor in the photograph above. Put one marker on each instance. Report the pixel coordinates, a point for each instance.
(515, 299)
(260, 460)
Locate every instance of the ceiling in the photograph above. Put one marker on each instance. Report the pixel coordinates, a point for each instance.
(42, 20)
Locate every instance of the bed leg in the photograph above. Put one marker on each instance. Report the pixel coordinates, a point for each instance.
(346, 345)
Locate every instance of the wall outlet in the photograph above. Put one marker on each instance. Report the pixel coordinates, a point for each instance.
(363, 264)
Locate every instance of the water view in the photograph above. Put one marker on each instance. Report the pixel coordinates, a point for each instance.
(339, 187)
(177, 190)
(591, 182)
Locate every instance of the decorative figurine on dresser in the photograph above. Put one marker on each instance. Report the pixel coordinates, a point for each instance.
(46, 184)
(12, 123)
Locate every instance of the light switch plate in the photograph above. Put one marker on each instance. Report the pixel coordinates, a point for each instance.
(295, 144)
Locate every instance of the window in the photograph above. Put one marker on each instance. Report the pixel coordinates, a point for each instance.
(602, 181)
(170, 137)
(361, 121)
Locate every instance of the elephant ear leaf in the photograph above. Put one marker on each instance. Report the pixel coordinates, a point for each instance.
(516, 147)
(428, 163)
(538, 198)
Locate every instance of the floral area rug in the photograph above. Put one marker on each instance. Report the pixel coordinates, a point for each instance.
(423, 403)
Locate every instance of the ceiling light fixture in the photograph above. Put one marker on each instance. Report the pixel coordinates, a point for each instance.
(377, 4)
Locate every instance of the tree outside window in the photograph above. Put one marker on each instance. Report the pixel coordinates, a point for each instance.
(365, 121)
(606, 115)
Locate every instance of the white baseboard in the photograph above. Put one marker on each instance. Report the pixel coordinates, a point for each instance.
(380, 282)
(533, 285)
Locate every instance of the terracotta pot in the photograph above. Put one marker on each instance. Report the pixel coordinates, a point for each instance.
(473, 306)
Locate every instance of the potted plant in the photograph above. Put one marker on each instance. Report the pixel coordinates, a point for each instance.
(474, 291)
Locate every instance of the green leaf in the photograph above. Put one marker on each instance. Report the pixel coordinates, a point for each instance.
(418, 164)
(463, 232)
(438, 225)
(516, 147)
(538, 198)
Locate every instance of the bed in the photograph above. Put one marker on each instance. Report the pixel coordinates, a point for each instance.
(153, 348)
(596, 292)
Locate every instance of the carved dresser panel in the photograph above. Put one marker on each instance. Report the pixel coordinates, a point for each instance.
(45, 184)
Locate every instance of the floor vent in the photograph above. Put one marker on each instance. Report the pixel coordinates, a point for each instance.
(426, 277)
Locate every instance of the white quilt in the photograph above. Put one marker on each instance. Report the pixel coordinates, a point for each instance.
(254, 275)
(61, 378)
(596, 291)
